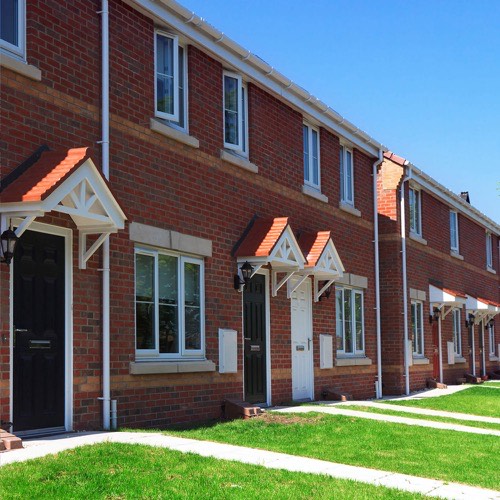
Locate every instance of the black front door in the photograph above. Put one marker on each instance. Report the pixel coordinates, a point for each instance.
(39, 332)
(254, 323)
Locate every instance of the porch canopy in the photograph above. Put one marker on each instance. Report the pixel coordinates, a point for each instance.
(66, 182)
(445, 299)
(323, 261)
(481, 309)
(271, 242)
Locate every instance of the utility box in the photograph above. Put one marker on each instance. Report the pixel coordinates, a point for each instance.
(451, 352)
(228, 351)
(325, 351)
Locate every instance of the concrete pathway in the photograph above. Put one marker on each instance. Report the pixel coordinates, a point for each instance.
(337, 410)
(442, 489)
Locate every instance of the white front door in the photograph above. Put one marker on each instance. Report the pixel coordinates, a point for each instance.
(302, 346)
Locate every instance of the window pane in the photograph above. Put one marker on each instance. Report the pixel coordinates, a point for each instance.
(417, 211)
(168, 304)
(243, 119)
(315, 158)
(348, 173)
(169, 329)
(453, 230)
(165, 74)
(358, 311)
(182, 87)
(339, 308)
(414, 328)
(342, 187)
(348, 322)
(192, 306)
(305, 135)
(144, 296)
(231, 110)
(9, 21)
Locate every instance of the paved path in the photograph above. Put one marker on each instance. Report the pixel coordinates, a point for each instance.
(51, 445)
(337, 410)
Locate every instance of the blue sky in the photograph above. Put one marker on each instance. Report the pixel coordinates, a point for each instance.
(420, 76)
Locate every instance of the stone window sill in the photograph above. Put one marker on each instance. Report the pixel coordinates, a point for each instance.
(494, 358)
(172, 133)
(349, 209)
(418, 238)
(421, 361)
(353, 361)
(491, 270)
(459, 359)
(314, 193)
(456, 255)
(21, 67)
(239, 161)
(159, 367)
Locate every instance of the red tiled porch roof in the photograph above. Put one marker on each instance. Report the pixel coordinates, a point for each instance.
(36, 183)
(312, 245)
(490, 302)
(262, 237)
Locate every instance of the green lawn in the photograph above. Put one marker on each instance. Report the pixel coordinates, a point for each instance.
(432, 453)
(447, 420)
(494, 383)
(475, 401)
(124, 471)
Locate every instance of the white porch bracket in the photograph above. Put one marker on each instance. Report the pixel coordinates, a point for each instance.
(255, 270)
(84, 254)
(445, 311)
(291, 287)
(319, 293)
(275, 285)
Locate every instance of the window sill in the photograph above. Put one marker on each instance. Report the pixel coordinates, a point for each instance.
(353, 361)
(349, 209)
(158, 367)
(459, 359)
(239, 161)
(418, 238)
(421, 361)
(491, 270)
(456, 255)
(174, 134)
(494, 358)
(314, 193)
(25, 69)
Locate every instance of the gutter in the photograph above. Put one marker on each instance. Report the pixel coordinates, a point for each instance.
(378, 386)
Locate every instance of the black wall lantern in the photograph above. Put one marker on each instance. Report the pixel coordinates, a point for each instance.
(326, 294)
(434, 316)
(246, 270)
(8, 240)
(469, 321)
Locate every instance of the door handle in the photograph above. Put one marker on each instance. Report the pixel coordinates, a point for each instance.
(21, 330)
(308, 344)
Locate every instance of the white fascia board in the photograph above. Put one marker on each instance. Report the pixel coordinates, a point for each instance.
(453, 200)
(242, 60)
(473, 304)
(438, 296)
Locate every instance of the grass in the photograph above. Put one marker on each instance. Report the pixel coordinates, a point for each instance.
(122, 471)
(432, 453)
(483, 401)
(494, 383)
(447, 420)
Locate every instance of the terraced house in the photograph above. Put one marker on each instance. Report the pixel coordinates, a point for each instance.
(192, 226)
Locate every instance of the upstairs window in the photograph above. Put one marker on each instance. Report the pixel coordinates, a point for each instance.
(454, 231)
(235, 113)
(417, 328)
(346, 176)
(169, 305)
(350, 322)
(489, 251)
(170, 88)
(311, 156)
(415, 211)
(457, 337)
(12, 26)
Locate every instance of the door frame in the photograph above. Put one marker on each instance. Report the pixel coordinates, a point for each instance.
(307, 284)
(265, 273)
(67, 234)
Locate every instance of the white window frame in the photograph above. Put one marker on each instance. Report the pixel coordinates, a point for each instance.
(174, 117)
(344, 183)
(454, 228)
(242, 146)
(491, 336)
(310, 156)
(183, 352)
(415, 198)
(489, 251)
(355, 352)
(457, 332)
(418, 306)
(19, 51)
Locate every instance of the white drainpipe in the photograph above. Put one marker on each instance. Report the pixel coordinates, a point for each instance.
(440, 351)
(378, 384)
(106, 392)
(405, 284)
(473, 350)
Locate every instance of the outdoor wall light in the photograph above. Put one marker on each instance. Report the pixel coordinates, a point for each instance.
(434, 316)
(469, 321)
(326, 294)
(8, 245)
(246, 271)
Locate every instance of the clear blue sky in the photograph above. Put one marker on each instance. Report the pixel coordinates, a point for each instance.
(420, 76)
